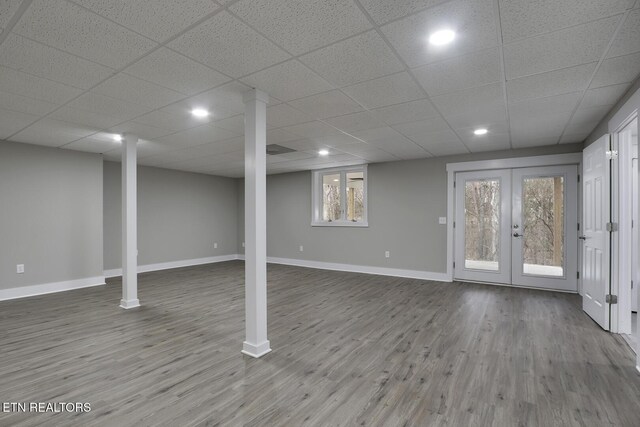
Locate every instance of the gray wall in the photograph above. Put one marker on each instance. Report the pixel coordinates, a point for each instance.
(50, 215)
(180, 214)
(603, 126)
(405, 200)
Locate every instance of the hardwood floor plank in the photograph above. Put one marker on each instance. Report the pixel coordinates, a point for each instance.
(348, 349)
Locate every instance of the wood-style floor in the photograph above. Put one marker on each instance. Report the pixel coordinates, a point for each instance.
(348, 350)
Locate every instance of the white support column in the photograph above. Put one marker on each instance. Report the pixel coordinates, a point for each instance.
(255, 226)
(129, 223)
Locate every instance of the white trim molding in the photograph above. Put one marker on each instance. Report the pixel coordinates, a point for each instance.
(173, 264)
(50, 288)
(381, 271)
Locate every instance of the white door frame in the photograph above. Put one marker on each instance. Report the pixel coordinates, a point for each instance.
(622, 240)
(516, 162)
(624, 113)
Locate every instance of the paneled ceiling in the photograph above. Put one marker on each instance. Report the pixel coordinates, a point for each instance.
(354, 77)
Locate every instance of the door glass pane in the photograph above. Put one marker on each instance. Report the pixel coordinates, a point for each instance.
(355, 196)
(543, 226)
(482, 224)
(331, 197)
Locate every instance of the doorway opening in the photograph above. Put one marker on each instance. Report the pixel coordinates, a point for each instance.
(518, 227)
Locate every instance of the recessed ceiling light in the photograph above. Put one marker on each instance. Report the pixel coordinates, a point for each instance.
(336, 180)
(323, 152)
(117, 138)
(442, 37)
(481, 131)
(200, 113)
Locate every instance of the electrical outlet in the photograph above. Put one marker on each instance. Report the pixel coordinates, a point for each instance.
(301, 248)
(243, 244)
(20, 268)
(215, 246)
(387, 254)
(442, 220)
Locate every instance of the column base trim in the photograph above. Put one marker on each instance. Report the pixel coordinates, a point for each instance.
(127, 304)
(256, 350)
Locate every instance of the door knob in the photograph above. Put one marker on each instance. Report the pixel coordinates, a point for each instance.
(517, 235)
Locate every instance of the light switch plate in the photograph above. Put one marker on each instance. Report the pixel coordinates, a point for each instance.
(442, 220)
(20, 268)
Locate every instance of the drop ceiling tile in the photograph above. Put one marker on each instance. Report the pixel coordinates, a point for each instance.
(53, 133)
(100, 142)
(140, 130)
(494, 142)
(226, 44)
(84, 118)
(314, 129)
(537, 121)
(156, 19)
(302, 25)
(13, 121)
(474, 22)
(164, 120)
(498, 133)
(284, 115)
(355, 122)
(197, 136)
(132, 89)
(448, 149)
(412, 111)
(470, 101)
(327, 104)
(428, 139)
(622, 69)
(607, 95)
(73, 29)
(23, 84)
(280, 136)
(393, 142)
(388, 90)
(586, 119)
(100, 104)
(462, 72)
(523, 141)
(223, 101)
(169, 69)
(628, 38)
(478, 118)
(7, 9)
(287, 81)
(22, 104)
(384, 10)
(416, 130)
(566, 80)
(526, 18)
(577, 45)
(338, 140)
(363, 57)
(234, 124)
(40, 60)
(573, 138)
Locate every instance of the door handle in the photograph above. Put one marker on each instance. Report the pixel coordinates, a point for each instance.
(583, 237)
(517, 235)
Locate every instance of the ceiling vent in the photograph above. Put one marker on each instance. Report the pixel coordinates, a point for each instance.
(275, 149)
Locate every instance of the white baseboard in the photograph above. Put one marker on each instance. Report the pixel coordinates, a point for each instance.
(382, 271)
(173, 264)
(49, 288)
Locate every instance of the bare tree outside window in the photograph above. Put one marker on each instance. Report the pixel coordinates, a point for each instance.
(482, 228)
(331, 209)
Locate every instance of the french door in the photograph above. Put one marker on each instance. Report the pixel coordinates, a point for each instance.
(518, 227)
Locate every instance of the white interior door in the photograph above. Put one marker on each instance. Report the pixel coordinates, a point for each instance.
(544, 227)
(635, 276)
(482, 226)
(596, 202)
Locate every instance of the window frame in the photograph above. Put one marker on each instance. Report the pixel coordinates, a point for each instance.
(317, 202)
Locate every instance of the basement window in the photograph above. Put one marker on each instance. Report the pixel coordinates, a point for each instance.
(339, 197)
